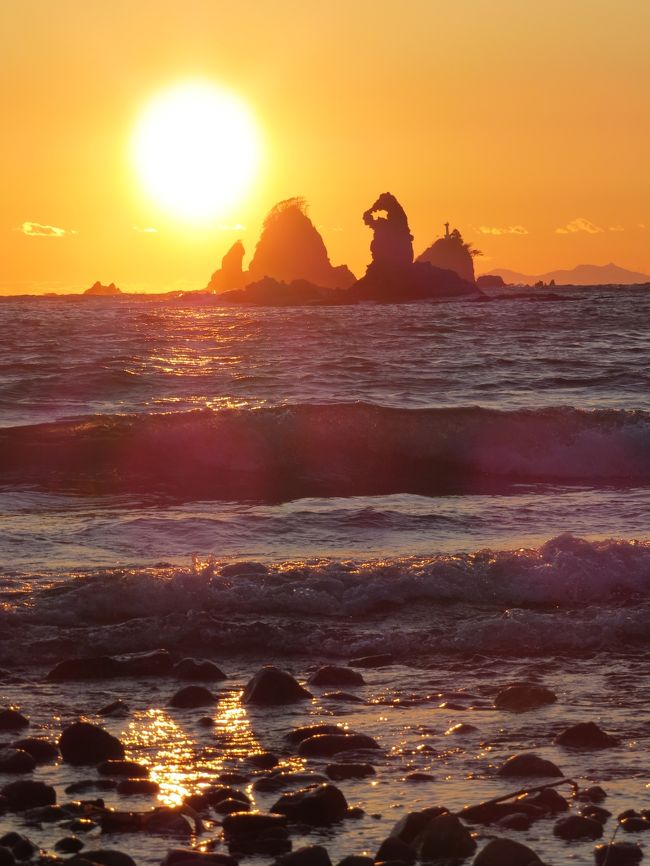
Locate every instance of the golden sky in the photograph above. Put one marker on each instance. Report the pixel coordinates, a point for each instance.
(524, 122)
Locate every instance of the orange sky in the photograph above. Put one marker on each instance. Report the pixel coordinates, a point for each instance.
(510, 118)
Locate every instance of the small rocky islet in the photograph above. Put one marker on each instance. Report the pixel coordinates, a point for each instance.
(287, 805)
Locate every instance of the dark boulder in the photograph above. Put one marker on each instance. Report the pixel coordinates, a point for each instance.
(586, 735)
(138, 787)
(528, 764)
(198, 669)
(596, 812)
(12, 720)
(185, 857)
(462, 729)
(411, 825)
(218, 793)
(393, 848)
(311, 855)
(521, 698)
(444, 837)
(264, 760)
(356, 860)
(618, 854)
(69, 845)
(494, 813)
(548, 800)
(6, 857)
(83, 743)
(191, 697)
(339, 772)
(577, 827)
(505, 852)
(256, 833)
(326, 745)
(271, 687)
(299, 734)
(635, 824)
(86, 785)
(16, 761)
(150, 664)
(318, 807)
(125, 769)
(229, 806)
(332, 675)
(117, 709)
(28, 795)
(42, 751)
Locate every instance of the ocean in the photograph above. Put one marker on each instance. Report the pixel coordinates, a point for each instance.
(462, 485)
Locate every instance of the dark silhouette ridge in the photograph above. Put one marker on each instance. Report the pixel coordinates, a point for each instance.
(490, 281)
(99, 290)
(451, 253)
(230, 275)
(289, 249)
(268, 292)
(581, 275)
(393, 276)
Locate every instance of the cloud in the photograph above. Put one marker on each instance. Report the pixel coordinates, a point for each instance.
(616, 228)
(508, 230)
(37, 230)
(579, 225)
(147, 230)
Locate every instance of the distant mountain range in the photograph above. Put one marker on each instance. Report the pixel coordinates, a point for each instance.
(581, 275)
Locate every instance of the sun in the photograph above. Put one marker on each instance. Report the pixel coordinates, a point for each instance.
(196, 150)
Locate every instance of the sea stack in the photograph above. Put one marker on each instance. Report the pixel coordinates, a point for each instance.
(451, 253)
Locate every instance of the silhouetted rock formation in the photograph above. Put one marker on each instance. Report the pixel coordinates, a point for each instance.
(490, 281)
(275, 293)
(393, 276)
(451, 253)
(100, 291)
(230, 275)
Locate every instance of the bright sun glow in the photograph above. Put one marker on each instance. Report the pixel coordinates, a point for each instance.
(196, 150)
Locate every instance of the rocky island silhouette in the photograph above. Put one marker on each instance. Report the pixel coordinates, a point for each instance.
(291, 265)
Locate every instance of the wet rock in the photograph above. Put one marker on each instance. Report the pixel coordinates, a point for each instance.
(45, 815)
(505, 852)
(191, 697)
(232, 777)
(618, 854)
(326, 745)
(529, 764)
(444, 837)
(86, 785)
(205, 722)
(586, 735)
(69, 845)
(27, 794)
(419, 777)
(594, 794)
(125, 769)
(577, 827)
(549, 800)
(192, 857)
(10, 839)
(12, 720)
(217, 794)
(42, 751)
(117, 709)
(635, 824)
(264, 760)
(272, 687)
(16, 761)
(229, 806)
(318, 807)
(377, 661)
(157, 663)
(339, 772)
(492, 813)
(109, 857)
(135, 787)
(24, 849)
(6, 857)
(517, 821)
(151, 664)
(236, 569)
(164, 821)
(521, 698)
(256, 833)
(393, 848)
(333, 675)
(280, 780)
(198, 669)
(461, 730)
(83, 743)
(596, 812)
(311, 855)
(414, 823)
(299, 734)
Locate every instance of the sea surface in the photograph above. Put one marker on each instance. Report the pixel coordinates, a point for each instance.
(464, 485)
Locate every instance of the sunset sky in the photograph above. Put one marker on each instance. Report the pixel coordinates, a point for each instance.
(524, 123)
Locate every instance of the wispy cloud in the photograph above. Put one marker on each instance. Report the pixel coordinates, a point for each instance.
(506, 230)
(579, 225)
(616, 228)
(38, 230)
(145, 230)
